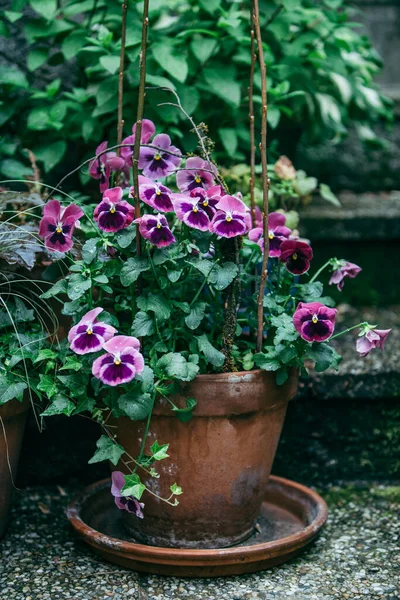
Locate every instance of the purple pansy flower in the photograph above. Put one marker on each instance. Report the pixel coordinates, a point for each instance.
(277, 232)
(296, 255)
(101, 166)
(154, 194)
(57, 225)
(197, 174)
(113, 214)
(155, 228)
(345, 269)
(128, 503)
(232, 218)
(372, 338)
(90, 335)
(122, 362)
(314, 322)
(148, 129)
(157, 162)
(197, 208)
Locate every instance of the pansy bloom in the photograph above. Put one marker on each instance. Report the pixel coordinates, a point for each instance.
(57, 225)
(128, 503)
(161, 160)
(314, 322)
(277, 233)
(296, 255)
(154, 194)
(372, 338)
(102, 166)
(90, 335)
(344, 269)
(155, 228)
(113, 214)
(197, 208)
(197, 174)
(122, 362)
(148, 129)
(232, 218)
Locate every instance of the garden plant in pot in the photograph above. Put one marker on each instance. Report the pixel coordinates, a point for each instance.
(193, 316)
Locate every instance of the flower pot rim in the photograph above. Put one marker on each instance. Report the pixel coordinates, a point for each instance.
(240, 374)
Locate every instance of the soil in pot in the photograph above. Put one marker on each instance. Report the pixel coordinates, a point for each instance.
(222, 459)
(13, 416)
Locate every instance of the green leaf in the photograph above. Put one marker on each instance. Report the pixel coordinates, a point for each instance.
(288, 354)
(221, 81)
(73, 43)
(155, 303)
(36, 58)
(174, 365)
(14, 169)
(60, 287)
(324, 356)
(45, 354)
(125, 237)
(229, 139)
(71, 364)
(133, 486)
(210, 5)
(310, 291)
(47, 385)
(78, 285)
(85, 405)
(223, 275)
(212, 355)
(196, 315)
(89, 250)
(159, 452)
(46, 8)
(176, 489)
(10, 391)
(159, 81)
(174, 276)
(185, 414)
(136, 406)
(143, 324)
(61, 405)
(172, 60)
(110, 63)
(273, 116)
(328, 195)
(267, 360)
(203, 47)
(132, 269)
(107, 449)
(285, 330)
(282, 376)
(51, 154)
(13, 76)
(38, 119)
(146, 377)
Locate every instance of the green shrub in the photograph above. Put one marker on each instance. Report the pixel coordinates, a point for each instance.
(64, 100)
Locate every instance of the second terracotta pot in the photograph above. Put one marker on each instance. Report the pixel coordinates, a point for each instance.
(222, 459)
(13, 419)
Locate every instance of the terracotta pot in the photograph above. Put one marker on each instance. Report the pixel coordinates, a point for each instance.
(222, 459)
(13, 416)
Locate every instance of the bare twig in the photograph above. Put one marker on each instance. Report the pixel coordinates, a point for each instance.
(120, 123)
(251, 118)
(263, 151)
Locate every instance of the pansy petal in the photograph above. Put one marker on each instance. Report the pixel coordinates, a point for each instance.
(118, 482)
(52, 209)
(118, 344)
(231, 204)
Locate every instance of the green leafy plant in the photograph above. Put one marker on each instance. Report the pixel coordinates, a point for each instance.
(320, 71)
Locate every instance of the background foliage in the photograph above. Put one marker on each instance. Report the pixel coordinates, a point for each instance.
(61, 100)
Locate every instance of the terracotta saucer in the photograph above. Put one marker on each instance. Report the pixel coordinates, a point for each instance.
(291, 517)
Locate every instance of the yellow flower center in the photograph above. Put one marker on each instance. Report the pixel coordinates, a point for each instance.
(157, 157)
(195, 209)
(205, 203)
(228, 218)
(315, 319)
(294, 256)
(158, 193)
(159, 225)
(197, 179)
(271, 236)
(117, 361)
(89, 331)
(59, 230)
(112, 210)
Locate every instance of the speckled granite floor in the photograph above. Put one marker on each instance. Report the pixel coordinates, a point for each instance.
(356, 557)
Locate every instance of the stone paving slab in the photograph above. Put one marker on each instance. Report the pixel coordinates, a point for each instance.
(356, 557)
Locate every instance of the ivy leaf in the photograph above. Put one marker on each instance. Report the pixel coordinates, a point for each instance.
(10, 391)
(85, 405)
(176, 489)
(172, 60)
(155, 303)
(136, 406)
(212, 355)
(143, 324)
(223, 275)
(107, 449)
(47, 385)
(185, 414)
(174, 365)
(89, 250)
(61, 405)
(196, 315)
(159, 452)
(133, 486)
(45, 354)
(71, 364)
(132, 269)
(78, 285)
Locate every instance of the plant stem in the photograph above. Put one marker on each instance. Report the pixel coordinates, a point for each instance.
(347, 330)
(251, 118)
(140, 109)
(264, 165)
(146, 431)
(203, 283)
(120, 123)
(314, 277)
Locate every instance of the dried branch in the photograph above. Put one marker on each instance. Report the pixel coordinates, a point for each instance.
(120, 123)
(251, 118)
(140, 109)
(263, 151)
